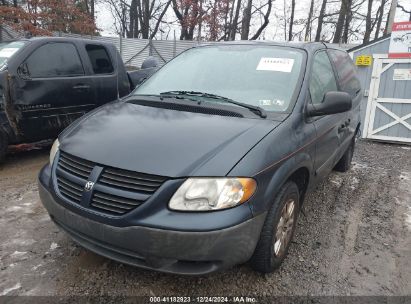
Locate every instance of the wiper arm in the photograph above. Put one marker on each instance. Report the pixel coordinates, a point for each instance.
(255, 109)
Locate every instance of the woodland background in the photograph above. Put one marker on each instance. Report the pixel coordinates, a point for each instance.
(337, 21)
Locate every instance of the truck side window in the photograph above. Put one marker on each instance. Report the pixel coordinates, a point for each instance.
(346, 71)
(54, 60)
(322, 78)
(99, 58)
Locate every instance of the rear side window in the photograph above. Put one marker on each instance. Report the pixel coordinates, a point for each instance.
(322, 78)
(346, 71)
(53, 60)
(99, 58)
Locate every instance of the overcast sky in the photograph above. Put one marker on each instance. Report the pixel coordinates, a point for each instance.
(274, 30)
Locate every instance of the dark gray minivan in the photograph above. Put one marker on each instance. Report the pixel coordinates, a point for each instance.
(206, 164)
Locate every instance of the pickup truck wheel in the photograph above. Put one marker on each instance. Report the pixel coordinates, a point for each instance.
(278, 230)
(344, 164)
(3, 145)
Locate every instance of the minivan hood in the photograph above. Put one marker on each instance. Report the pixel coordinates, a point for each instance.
(162, 141)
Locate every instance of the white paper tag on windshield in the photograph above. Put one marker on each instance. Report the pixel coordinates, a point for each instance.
(8, 52)
(276, 64)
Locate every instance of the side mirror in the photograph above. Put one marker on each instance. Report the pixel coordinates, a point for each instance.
(334, 102)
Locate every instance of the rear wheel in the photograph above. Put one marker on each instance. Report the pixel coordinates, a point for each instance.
(3, 145)
(344, 164)
(278, 230)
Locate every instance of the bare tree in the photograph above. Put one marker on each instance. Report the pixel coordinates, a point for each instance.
(245, 26)
(308, 24)
(266, 20)
(404, 10)
(320, 20)
(290, 30)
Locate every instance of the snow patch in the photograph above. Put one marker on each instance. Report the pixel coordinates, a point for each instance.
(18, 253)
(53, 246)
(8, 290)
(359, 166)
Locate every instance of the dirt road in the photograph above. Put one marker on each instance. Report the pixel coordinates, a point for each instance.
(355, 239)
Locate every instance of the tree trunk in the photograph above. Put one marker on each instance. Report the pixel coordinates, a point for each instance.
(266, 21)
(233, 27)
(380, 15)
(340, 23)
(368, 23)
(320, 21)
(245, 27)
(308, 24)
(155, 30)
(348, 18)
(290, 30)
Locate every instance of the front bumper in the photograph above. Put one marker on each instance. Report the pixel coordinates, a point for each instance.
(181, 252)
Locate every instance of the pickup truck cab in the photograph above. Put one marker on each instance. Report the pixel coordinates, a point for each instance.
(47, 83)
(207, 163)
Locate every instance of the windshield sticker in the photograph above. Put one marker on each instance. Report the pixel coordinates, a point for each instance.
(268, 102)
(276, 64)
(8, 52)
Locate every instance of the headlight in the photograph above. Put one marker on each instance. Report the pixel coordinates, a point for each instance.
(54, 150)
(206, 194)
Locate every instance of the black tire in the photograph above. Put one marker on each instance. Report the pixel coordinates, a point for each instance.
(3, 145)
(344, 164)
(265, 259)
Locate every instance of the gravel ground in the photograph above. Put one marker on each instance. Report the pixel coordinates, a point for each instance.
(354, 239)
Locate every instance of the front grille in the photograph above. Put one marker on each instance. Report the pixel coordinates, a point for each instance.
(70, 190)
(75, 166)
(112, 203)
(116, 191)
(138, 182)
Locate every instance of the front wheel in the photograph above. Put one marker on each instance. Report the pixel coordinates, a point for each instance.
(278, 230)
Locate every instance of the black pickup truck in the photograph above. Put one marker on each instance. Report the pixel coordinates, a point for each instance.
(46, 83)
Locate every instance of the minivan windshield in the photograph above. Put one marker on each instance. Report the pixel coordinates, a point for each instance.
(8, 49)
(263, 76)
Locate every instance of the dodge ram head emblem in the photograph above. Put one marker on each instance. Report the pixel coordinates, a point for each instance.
(89, 186)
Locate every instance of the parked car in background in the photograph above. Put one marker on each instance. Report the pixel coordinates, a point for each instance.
(206, 165)
(47, 83)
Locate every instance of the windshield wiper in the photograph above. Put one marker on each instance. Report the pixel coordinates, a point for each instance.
(255, 109)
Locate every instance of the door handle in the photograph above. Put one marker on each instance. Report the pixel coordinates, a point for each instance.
(341, 128)
(81, 87)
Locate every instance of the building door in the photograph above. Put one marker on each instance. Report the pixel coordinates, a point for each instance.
(388, 114)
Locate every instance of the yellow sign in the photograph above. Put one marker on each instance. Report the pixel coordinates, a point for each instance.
(363, 60)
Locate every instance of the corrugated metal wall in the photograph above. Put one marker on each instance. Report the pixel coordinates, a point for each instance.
(135, 51)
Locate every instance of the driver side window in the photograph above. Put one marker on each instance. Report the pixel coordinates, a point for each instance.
(322, 78)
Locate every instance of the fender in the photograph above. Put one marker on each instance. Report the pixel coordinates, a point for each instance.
(272, 179)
